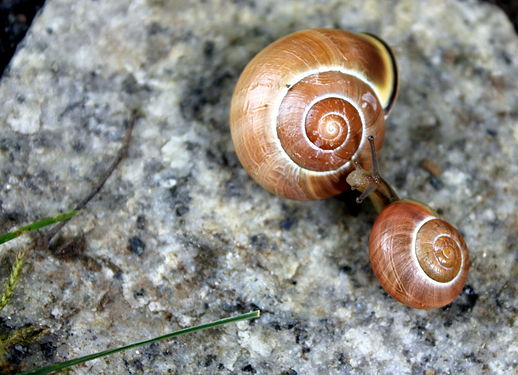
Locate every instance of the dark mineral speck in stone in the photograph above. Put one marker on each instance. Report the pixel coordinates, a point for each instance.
(138, 365)
(259, 241)
(141, 222)
(436, 183)
(250, 369)
(16, 354)
(208, 48)
(181, 209)
(209, 360)
(136, 245)
(470, 297)
(286, 224)
(345, 269)
(49, 350)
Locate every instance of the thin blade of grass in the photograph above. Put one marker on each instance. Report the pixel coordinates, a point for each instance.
(72, 362)
(37, 225)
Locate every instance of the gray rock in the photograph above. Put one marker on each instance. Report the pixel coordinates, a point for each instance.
(211, 242)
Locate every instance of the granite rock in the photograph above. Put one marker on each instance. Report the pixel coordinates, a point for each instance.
(181, 235)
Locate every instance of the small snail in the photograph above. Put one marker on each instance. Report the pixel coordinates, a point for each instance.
(418, 258)
(304, 107)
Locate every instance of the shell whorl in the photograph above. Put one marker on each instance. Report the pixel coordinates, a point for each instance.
(439, 250)
(305, 105)
(418, 258)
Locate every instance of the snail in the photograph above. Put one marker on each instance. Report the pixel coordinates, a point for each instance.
(307, 117)
(419, 259)
(304, 106)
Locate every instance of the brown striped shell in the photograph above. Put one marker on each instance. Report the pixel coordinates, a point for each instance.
(305, 105)
(418, 258)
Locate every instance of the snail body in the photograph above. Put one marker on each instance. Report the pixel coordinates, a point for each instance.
(304, 107)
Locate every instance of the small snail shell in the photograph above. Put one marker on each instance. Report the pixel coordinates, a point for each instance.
(305, 105)
(418, 258)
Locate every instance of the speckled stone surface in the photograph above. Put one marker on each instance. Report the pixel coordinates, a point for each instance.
(181, 235)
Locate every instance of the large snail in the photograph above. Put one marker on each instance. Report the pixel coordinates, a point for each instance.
(307, 117)
(304, 107)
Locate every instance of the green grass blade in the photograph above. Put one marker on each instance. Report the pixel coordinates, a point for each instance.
(37, 225)
(72, 362)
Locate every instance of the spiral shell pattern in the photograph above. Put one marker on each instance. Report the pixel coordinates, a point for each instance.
(304, 107)
(418, 258)
(438, 250)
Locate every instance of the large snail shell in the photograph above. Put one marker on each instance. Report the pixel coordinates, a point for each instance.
(305, 105)
(418, 258)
